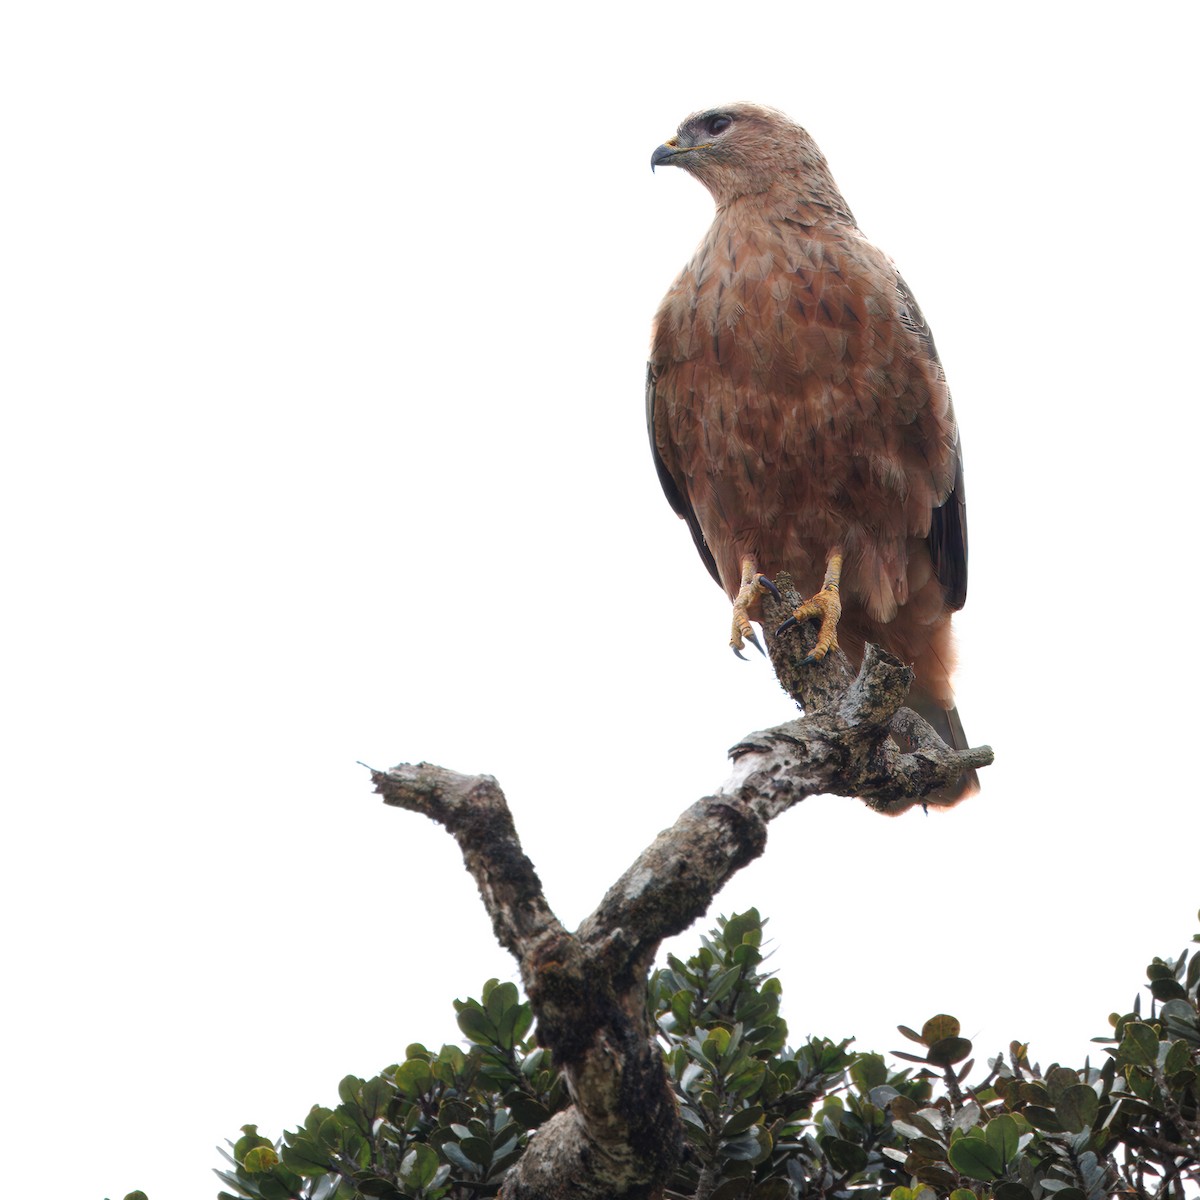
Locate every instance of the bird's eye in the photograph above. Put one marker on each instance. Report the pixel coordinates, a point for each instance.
(715, 125)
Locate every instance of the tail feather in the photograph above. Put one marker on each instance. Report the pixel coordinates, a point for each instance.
(947, 725)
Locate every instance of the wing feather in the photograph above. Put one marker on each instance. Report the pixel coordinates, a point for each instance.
(675, 488)
(947, 538)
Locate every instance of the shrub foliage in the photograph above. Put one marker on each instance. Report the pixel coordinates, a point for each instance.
(765, 1121)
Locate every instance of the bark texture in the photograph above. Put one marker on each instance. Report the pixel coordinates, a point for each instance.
(621, 1136)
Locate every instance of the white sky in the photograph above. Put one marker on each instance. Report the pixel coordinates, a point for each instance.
(325, 335)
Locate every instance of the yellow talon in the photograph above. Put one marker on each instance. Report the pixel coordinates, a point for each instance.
(754, 585)
(826, 606)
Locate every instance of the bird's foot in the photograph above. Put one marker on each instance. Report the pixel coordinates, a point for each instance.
(754, 585)
(825, 606)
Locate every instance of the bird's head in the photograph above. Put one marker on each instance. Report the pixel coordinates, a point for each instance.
(744, 149)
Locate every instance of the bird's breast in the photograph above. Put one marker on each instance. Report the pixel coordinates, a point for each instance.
(794, 399)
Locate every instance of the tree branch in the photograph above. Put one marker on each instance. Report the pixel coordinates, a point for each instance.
(621, 1136)
(475, 813)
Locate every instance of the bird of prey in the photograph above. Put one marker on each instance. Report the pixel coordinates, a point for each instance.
(799, 416)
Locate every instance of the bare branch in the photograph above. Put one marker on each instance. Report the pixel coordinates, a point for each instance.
(474, 811)
(622, 1136)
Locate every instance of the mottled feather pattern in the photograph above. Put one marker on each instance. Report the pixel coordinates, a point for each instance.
(797, 403)
(801, 409)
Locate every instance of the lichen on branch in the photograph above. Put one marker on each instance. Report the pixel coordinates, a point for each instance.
(621, 1136)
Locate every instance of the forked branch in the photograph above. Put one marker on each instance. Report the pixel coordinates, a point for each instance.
(621, 1135)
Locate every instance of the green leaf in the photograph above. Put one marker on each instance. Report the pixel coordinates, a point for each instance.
(1178, 1057)
(529, 1112)
(1077, 1108)
(959, 1194)
(477, 1149)
(968, 1116)
(1141, 1082)
(502, 997)
(1044, 1119)
(357, 1148)
(524, 1022)
(925, 1120)
(506, 1027)
(772, 1189)
(1092, 1172)
(1139, 1046)
(454, 1112)
(938, 1177)
(941, 1026)
(474, 1022)
(976, 1159)
(715, 1044)
(1181, 1019)
(317, 1116)
(948, 1050)
(414, 1077)
(247, 1142)
(1168, 989)
(419, 1166)
(305, 1157)
(333, 1130)
(928, 1148)
(261, 1158)
(742, 1121)
(749, 1079)
(376, 1096)
(460, 1160)
(1012, 1191)
(1002, 1135)
(869, 1071)
(452, 1057)
(844, 1155)
(746, 956)
(724, 984)
(914, 1058)
(681, 1009)
(741, 924)
(1058, 1079)
(741, 1149)
(731, 1189)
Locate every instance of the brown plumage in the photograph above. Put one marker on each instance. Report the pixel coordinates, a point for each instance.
(798, 413)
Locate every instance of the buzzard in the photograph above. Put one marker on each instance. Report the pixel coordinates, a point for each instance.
(798, 413)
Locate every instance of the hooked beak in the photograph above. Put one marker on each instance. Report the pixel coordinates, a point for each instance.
(673, 151)
(665, 153)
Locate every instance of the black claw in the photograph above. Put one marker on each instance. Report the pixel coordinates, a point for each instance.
(786, 626)
(765, 582)
(752, 638)
(807, 660)
(739, 654)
